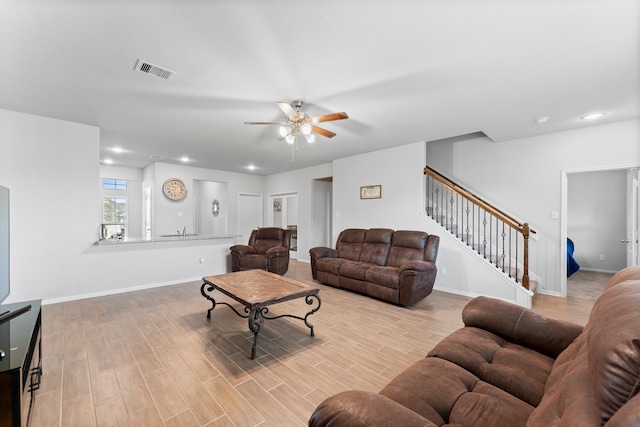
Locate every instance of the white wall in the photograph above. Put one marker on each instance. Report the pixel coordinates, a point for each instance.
(524, 178)
(205, 192)
(399, 171)
(597, 218)
(171, 216)
(52, 169)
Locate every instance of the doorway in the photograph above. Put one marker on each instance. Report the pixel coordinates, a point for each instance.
(321, 213)
(600, 216)
(284, 214)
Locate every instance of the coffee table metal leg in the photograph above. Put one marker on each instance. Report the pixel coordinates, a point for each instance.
(213, 302)
(254, 326)
(309, 301)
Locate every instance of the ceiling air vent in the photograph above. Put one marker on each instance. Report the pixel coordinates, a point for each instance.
(147, 68)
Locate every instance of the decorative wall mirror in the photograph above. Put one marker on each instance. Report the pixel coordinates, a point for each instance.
(215, 207)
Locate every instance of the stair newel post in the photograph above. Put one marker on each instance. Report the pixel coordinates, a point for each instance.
(525, 255)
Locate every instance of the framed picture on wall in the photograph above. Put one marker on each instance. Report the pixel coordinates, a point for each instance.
(277, 206)
(371, 192)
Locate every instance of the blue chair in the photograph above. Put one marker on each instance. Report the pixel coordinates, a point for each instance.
(572, 265)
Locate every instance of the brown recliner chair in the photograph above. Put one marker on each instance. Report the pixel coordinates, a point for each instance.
(268, 249)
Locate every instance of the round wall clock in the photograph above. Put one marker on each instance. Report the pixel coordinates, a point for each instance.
(174, 189)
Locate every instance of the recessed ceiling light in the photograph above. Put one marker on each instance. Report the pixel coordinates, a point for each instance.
(592, 116)
(156, 157)
(251, 167)
(107, 161)
(541, 120)
(117, 150)
(184, 159)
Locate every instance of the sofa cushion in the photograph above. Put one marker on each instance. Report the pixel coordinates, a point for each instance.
(599, 372)
(375, 248)
(629, 273)
(354, 270)
(267, 238)
(520, 325)
(518, 370)
(568, 398)
(350, 242)
(253, 262)
(406, 245)
(330, 265)
(445, 393)
(388, 277)
(613, 345)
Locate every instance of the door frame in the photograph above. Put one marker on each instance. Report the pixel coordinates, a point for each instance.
(563, 216)
(284, 196)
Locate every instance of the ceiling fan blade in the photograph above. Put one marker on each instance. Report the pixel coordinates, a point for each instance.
(288, 110)
(330, 117)
(323, 132)
(264, 123)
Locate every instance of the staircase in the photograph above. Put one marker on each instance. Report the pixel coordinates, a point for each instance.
(492, 234)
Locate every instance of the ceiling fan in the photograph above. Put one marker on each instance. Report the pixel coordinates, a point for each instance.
(299, 122)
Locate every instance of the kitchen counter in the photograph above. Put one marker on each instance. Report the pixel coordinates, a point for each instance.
(163, 239)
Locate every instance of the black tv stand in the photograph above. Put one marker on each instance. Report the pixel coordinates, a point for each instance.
(21, 368)
(10, 314)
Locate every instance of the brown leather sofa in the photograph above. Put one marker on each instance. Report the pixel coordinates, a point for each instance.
(268, 249)
(394, 266)
(509, 366)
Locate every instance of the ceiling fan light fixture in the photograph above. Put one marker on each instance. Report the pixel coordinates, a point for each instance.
(310, 138)
(592, 116)
(305, 128)
(290, 139)
(284, 131)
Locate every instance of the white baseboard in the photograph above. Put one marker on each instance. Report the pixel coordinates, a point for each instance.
(118, 291)
(595, 270)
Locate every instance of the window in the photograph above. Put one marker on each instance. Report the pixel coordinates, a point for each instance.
(114, 209)
(114, 217)
(114, 184)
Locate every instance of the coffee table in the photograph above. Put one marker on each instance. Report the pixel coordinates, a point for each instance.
(256, 290)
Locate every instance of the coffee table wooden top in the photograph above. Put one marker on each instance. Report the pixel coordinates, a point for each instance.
(259, 287)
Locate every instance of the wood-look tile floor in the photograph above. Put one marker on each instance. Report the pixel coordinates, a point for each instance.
(152, 358)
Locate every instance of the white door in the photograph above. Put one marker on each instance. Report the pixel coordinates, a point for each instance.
(321, 213)
(147, 213)
(631, 239)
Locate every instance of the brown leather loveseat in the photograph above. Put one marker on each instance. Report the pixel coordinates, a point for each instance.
(509, 366)
(394, 266)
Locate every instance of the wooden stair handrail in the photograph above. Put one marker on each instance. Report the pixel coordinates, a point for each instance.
(477, 200)
(505, 218)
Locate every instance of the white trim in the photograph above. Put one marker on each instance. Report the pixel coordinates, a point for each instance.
(119, 291)
(563, 216)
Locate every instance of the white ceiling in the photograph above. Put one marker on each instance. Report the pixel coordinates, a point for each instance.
(404, 71)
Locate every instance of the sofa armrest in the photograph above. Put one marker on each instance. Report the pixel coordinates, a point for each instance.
(322, 252)
(520, 325)
(242, 250)
(277, 259)
(355, 408)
